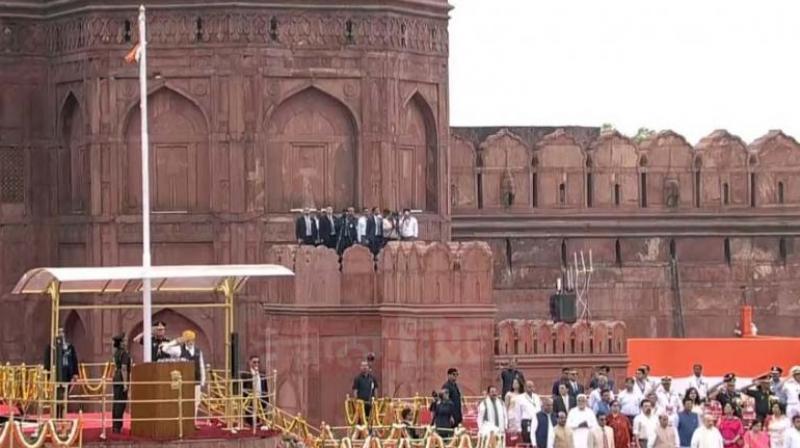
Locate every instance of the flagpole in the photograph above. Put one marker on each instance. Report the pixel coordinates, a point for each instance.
(147, 304)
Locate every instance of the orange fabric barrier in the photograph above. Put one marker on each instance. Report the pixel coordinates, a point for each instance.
(747, 357)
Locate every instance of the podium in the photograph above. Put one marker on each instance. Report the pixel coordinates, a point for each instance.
(141, 389)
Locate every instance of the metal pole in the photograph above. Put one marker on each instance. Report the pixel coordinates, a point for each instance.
(146, 298)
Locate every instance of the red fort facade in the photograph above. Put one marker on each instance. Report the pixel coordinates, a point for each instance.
(260, 108)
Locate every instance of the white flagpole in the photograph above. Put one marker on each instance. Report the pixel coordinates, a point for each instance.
(147, 304)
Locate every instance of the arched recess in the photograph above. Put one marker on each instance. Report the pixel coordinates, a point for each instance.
(416, 157)
(180, 177)
(76, 334)
(311, 153)
(463, 174)
(176, 323)
(73, 159)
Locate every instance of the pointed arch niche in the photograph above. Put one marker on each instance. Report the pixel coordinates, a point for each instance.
(73, 159)
(179, 155)
(416, 157)
(311, 153)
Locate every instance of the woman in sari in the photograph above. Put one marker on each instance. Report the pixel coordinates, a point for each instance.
(731, 428)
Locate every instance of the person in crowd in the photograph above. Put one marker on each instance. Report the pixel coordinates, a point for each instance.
(64, 369)
(730, 426)
(390, 226)
(581, 420)
(157, 339)
(575, 388)
(707, 436)
(642, 383)
(361, 227)
(603, 435)
(184, 349)
(563, 379)
(305, 228)
(694, 395)
(509, 374)
(492, 416)
(365, 387)
(409, 228)
(792, 436)
(327, 228)
(602, 371)
(664, 436)
(644, 423)
(629, 399)
(255, 388)
(546, 420)
(603, 405)
(761, 393)
(790, 390)
(562, 434)
(374, 230)
(776, 425)
(726, 392)
(348, 233)
(406, 415)
(443, 413)
(563, 401)
(688, 422)
(666, 396)
(652, 383)
(621, 425)
(526, 406)
(596, 394)
(122, 369)
(508, 399)
(455, 395)
(698, 381)
(775, 383)
(756, 437)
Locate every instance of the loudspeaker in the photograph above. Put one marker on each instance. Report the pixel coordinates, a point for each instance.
(563, 308)
(234, 367)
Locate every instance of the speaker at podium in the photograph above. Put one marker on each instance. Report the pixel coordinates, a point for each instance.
(563, 307)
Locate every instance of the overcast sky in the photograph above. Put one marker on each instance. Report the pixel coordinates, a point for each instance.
(688, 65)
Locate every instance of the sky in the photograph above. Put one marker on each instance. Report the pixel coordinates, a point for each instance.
(690, 66)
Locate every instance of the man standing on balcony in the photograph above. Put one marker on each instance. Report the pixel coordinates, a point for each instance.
(184, 348)
(305, 228)
(365, 388)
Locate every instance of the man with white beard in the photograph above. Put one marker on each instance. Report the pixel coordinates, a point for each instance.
(707, 436)
(581, 420)
(492, 416)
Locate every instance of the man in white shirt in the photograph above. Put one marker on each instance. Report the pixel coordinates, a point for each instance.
(791, 436)
(361, 227)
(698, 381)
(581, 420)
(526, 406)
(642, 383)
(184, 349)
(629, 400)
(791, 391)
(409, 228)
(668, 399)
(255, 389)
(492, 418)
(644, 423)
(707, 435)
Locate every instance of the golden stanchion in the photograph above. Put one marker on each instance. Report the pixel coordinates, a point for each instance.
(103, 407)
(256, 408)
(177, 384)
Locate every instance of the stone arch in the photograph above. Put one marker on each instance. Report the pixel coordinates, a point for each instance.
(616, 163)
(778, 157)
(176, 323)
(561, 171)
(311, 152)
(463, 173)
(724, 163)
(416, 157)
(670, 170)
(506, 171)
(73, 179)
(180, 171)
(76, 333)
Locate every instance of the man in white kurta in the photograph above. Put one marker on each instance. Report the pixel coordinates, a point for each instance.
(707, 435)
(581, 421)
(492, 418)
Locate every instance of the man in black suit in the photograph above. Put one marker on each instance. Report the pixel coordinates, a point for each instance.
(510, 373)
(254, 386)
(563, 401)
(455, 395)
(375, 231)
(348, 233)
(328, 231)
(545, 420)
(65, 369)
(564, 378)
(575, 388)
(305, 228)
